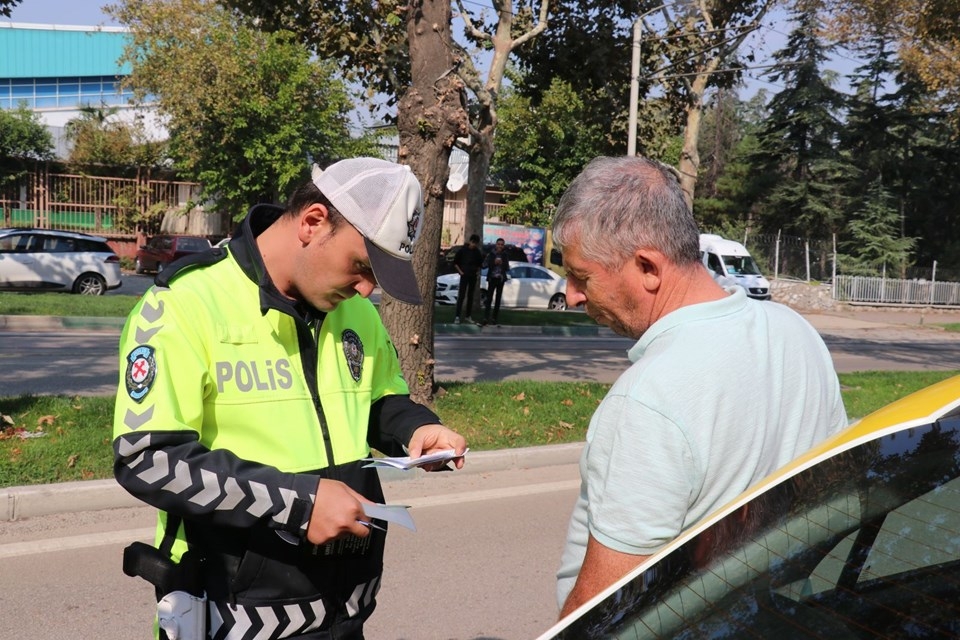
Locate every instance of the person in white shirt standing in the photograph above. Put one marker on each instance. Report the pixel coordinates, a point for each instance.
(723, 390)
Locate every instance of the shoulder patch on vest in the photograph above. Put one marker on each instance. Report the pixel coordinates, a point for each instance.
(353, 351)
(141, 372)
(188, 262)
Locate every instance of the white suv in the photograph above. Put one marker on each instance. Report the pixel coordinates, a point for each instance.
(45, 260)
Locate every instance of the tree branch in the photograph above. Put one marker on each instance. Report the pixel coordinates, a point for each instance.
(468, 21)
(537, 29)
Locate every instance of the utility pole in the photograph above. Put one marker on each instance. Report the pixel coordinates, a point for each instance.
(635, 78)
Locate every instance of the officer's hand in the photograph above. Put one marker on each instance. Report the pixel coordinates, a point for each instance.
(337, 512)
(436, 437)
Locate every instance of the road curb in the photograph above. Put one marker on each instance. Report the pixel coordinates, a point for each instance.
(77, 323)
(60, 323)
(94, 495)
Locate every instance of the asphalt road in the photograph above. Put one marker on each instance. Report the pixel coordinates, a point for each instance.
(480, 566)
(87, 363)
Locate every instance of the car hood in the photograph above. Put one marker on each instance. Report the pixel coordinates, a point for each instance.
(751, 280)
(450, 278)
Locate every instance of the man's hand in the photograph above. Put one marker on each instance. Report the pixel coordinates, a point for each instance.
(337, 512)
(436, 437)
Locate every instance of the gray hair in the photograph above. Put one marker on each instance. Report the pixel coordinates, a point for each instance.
(618, 205)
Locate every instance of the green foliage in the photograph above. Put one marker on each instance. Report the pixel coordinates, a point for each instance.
(866, 391)
(46, 439)
(369, 38)
(23, 141)
(519, 413)
(874, 241)
(100, 138)
(247, 109)
(23, 137)
(118, 306)
(6, 6)
(57, 438)
(900, 144)
(587, 46)
(797, 143)
(65, 304)
(541, 148)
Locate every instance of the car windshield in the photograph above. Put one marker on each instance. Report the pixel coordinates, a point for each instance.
(865, 544)
(192, 244)
(741, 266)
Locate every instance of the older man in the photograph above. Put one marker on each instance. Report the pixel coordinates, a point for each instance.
(722, 391)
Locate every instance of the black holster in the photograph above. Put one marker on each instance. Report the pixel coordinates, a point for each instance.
(167, 576)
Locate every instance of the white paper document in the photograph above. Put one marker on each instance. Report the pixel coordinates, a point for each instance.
(405, 463)
(391, 513)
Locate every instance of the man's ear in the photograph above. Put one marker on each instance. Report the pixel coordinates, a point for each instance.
(650, 266)
(312, 220)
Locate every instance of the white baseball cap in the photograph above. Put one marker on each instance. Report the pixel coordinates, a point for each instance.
(383, 201)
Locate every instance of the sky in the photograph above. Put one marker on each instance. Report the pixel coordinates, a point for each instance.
(65, 12)
(90, 12)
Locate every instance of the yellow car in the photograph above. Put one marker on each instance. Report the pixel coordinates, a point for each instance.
(858, 538)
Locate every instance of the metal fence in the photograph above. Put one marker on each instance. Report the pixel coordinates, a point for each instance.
(792, 257)
(124, 207)
(106, 206)
(812, 259)
(874, 290)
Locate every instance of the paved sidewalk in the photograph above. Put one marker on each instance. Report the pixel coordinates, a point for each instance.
(848, 317)
(57, 323)
(18, 503)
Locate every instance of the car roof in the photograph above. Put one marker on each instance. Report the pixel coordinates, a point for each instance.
(53, 232)
(917, 409)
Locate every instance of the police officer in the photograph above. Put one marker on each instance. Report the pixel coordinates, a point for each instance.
(254, 380)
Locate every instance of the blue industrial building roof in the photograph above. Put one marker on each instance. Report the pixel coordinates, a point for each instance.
(50, 51)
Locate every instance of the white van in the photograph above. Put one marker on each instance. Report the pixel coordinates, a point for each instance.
(730, 263)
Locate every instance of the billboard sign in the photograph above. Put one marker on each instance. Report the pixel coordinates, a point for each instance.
(530, 239)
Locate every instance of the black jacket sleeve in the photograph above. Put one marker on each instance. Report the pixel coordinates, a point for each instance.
(393, 419)
(172, 471)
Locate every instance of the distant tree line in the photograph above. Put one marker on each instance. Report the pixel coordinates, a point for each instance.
(251, 89)
(878, 166)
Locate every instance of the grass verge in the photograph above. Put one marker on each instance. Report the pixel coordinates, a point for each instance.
(118, 306)
(56, 439)
(64, 304)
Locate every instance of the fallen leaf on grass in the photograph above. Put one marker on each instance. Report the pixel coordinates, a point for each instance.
(568, 402)
(566, 425)
(45, 420)
(520, 396)
(72, 461)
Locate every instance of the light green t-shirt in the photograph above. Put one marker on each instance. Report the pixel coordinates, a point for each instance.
(719, 395)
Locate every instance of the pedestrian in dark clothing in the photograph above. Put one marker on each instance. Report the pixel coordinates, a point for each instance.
(467, 262)
(497, 266)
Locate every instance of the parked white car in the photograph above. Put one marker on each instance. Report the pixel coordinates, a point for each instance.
(46, 260)
(529, 285)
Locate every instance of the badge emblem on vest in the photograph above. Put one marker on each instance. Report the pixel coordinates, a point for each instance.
(141, 371)
(353, 351)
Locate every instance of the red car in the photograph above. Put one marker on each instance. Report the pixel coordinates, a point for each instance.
(162, 250)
